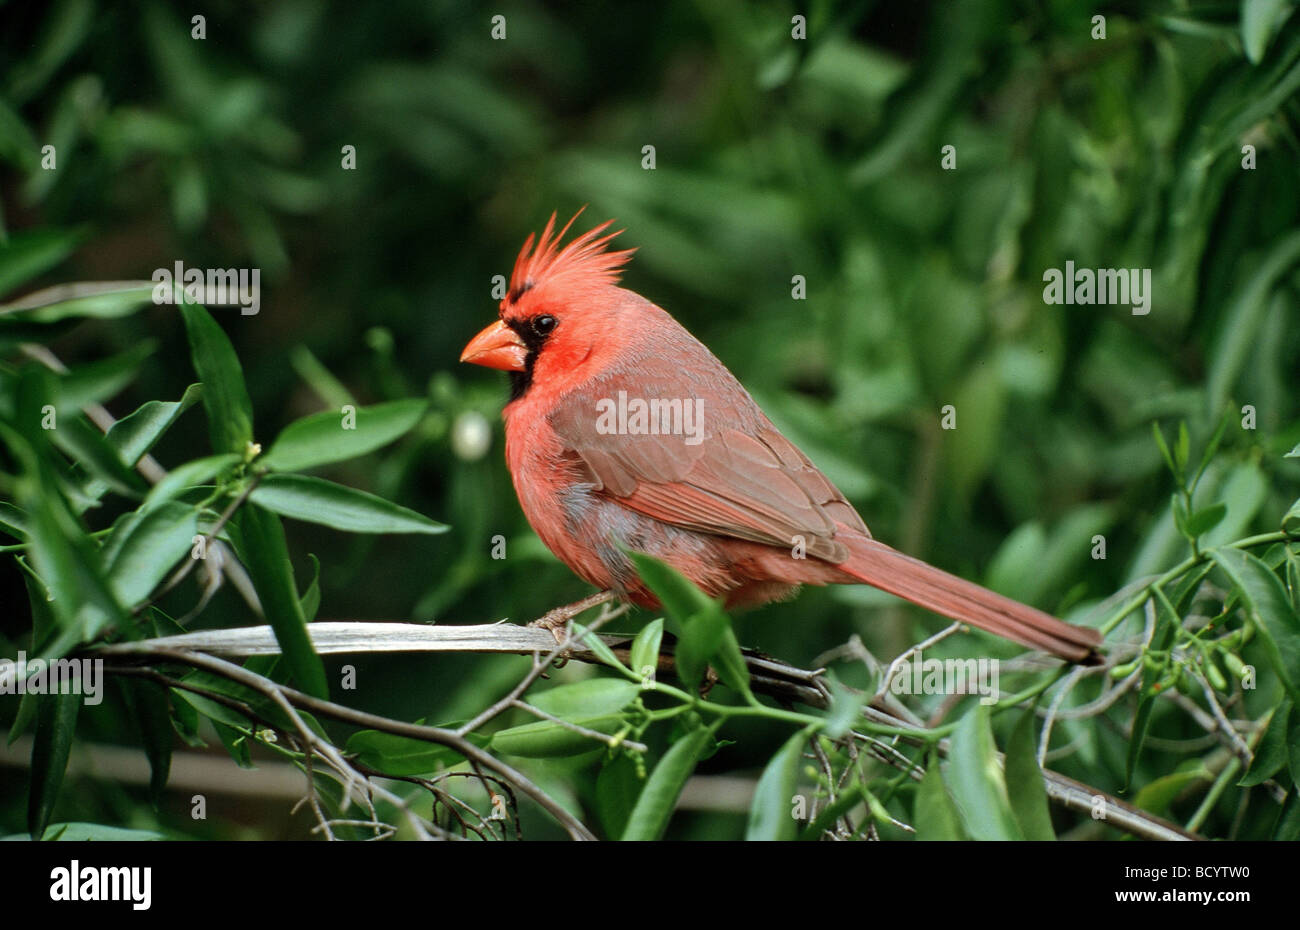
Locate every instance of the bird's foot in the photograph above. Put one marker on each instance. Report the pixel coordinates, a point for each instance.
(556, 621)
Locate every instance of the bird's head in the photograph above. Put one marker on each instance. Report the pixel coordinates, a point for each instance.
(559, 308)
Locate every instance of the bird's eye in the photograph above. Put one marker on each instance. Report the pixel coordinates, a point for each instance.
(542, 325)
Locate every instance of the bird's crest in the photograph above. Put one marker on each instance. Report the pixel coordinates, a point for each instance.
(586, 259)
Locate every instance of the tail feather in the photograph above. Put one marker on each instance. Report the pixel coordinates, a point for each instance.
(934, 589)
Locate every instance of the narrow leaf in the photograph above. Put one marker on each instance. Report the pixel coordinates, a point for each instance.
(1025, 785)
(230, 413)
(145, 546)
(654, 806)
(771, 813)
(976, 780)
(135, 434)
(56, 724)
(186, 476)
(935, 817)
(266, 556)
(644, 657)
(1271, 750)
(1274, 615)
(328, 437)
(590, 698)
(316, 500)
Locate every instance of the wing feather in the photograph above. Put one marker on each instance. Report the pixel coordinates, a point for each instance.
(743, 479)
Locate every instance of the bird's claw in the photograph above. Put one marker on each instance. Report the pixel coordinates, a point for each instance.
(555, 622)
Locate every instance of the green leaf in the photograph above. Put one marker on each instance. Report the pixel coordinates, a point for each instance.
(597, 645)
(328, 437)
(230, 414)
(1157, 795)
(1182, 448)
(1206, 519)
(321, 380)
(235, 742)
(404, 756)
(1271, 751)
(1274, 615)
(771, 812)
(12, 521)
(149, 706)
(935, 817)
(730, 665)
(43, 624)
(100, 381)
(185, 719)
(1025, 785)
(61, 35)
(617, 788)
(970, 449)
(1244, 490)
(644, 657)
(1165, 454)
(28, 254)
(706, 634)
(186, 476)
(1179, 508)
(654, 806)
(63, 556)
(546, 739)
(266, 557)
(104, 300)
(316, 500)
(135, 434)
(679, 596)
(97, 833)
(1260, 22)
(213, 710)
(1291, 521)
(145, 546)
(88, 447)
(593, 697)
(262, 706)
(1287, 828)
(976, 780)
(1243, 316)
(56, 724)
(879, 812)
(701, 637)
(846, 704)
(311, 597)
(18, 146)
(1293, 748)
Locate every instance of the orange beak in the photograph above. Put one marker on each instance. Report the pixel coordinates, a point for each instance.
(498, 346)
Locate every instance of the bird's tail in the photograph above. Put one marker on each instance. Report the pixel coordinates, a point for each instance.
(934, 589)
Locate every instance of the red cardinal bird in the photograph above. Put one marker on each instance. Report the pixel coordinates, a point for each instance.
(624, 432)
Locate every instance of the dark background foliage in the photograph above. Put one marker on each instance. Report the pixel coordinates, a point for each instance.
(774, 158)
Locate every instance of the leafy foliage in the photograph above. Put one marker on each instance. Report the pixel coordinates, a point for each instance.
(1096, 451)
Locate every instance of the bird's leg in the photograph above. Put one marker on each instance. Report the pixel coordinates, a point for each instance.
(556, 620)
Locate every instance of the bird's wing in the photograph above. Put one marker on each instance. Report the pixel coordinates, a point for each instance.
(742, 478)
